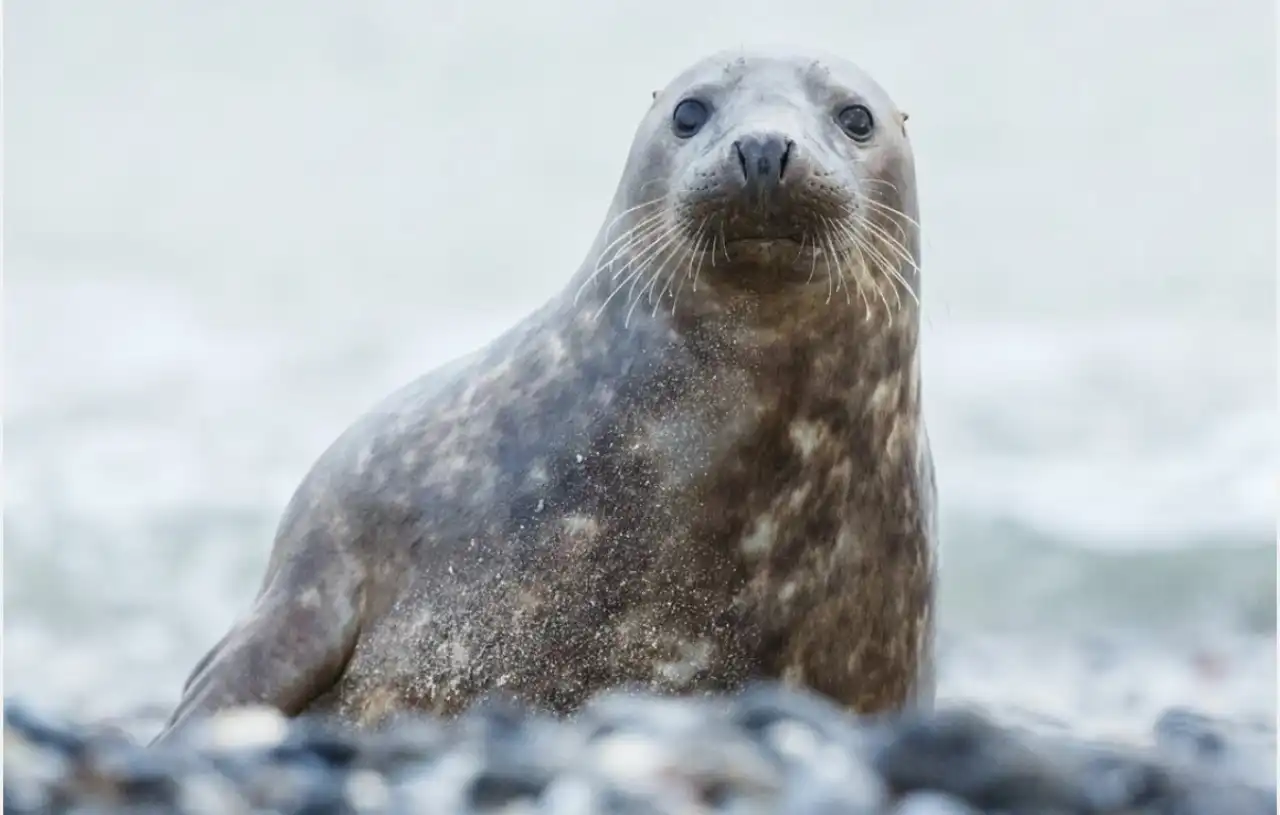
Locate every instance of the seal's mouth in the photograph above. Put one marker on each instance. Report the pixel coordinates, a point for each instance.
(765, 242)
(772, 254)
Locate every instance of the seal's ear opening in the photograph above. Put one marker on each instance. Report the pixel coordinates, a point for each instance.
(655, 95)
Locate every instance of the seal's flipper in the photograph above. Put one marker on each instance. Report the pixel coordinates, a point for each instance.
(288, 651)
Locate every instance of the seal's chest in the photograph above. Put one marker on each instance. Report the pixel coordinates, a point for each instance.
(692, 440)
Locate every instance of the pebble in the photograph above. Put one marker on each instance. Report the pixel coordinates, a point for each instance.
(765, 750)
(1190, 735)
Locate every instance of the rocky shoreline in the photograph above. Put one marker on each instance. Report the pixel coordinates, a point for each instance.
(766, 750)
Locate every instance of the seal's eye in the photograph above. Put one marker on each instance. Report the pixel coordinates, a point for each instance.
(689, 117)
(856, 120)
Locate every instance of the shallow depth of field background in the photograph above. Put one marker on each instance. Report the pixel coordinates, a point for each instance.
(231, 227)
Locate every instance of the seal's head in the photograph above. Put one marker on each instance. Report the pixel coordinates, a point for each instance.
(771, 172)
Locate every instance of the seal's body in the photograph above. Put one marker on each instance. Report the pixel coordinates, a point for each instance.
(703, 463)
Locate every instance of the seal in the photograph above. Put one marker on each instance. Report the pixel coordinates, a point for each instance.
(702, 464)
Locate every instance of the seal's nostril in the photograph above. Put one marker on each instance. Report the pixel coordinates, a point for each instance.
(742, 159)
(786, 156)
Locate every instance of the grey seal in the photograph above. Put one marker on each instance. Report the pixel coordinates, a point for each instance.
(703, 463)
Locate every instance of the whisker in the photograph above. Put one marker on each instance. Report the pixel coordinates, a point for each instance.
(618, 245)
(860, 266)
(691, 246)
(674, 244)
(890, 240)
(895, 214)
(655, 245)
(630, 210)
(675, 296)
(701, 256)
(888, 184)
(878, 234)
(636, 233)
(832, 260)
(813, 262)
(897, 249)
(841, 283)
(799, 252)
(893, 245)
(894, 242)
(875, 279)
(698, 272)
(666, 287)
(881, 265)
(696, 253)
(650, 254)
(878, 263)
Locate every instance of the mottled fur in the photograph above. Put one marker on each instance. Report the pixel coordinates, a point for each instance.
(686, 495)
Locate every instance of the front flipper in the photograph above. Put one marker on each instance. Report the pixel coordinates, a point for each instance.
(290, 649)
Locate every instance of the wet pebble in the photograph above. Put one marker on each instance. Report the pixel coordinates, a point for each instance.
(1189, 735)
(932, 803)
(765, 750)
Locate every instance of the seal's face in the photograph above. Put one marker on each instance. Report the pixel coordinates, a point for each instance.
(767, 167)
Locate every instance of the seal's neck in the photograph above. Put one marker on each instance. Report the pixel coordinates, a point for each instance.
(808, 349)
(833, 314)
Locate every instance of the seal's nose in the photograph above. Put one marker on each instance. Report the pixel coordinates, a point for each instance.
(763, 160)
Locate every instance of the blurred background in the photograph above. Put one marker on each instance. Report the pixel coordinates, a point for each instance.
(231, 228)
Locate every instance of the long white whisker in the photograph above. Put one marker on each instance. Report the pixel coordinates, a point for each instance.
(688, 247)
(651, 254)
(636, 233)
(893, 244)
(877, 271)
(841, 282)
(799, 252)
(643, 254)
(832, 260)
(613, 221)
(856, 261)
(719, 235)
(674, 244)
(881, 265)
(813, 262)
(696, 252)
(860, 266)
(896, 214)
(700, 254)
(863, 267)
(897, 249)
(655, 242)
(638, 236)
